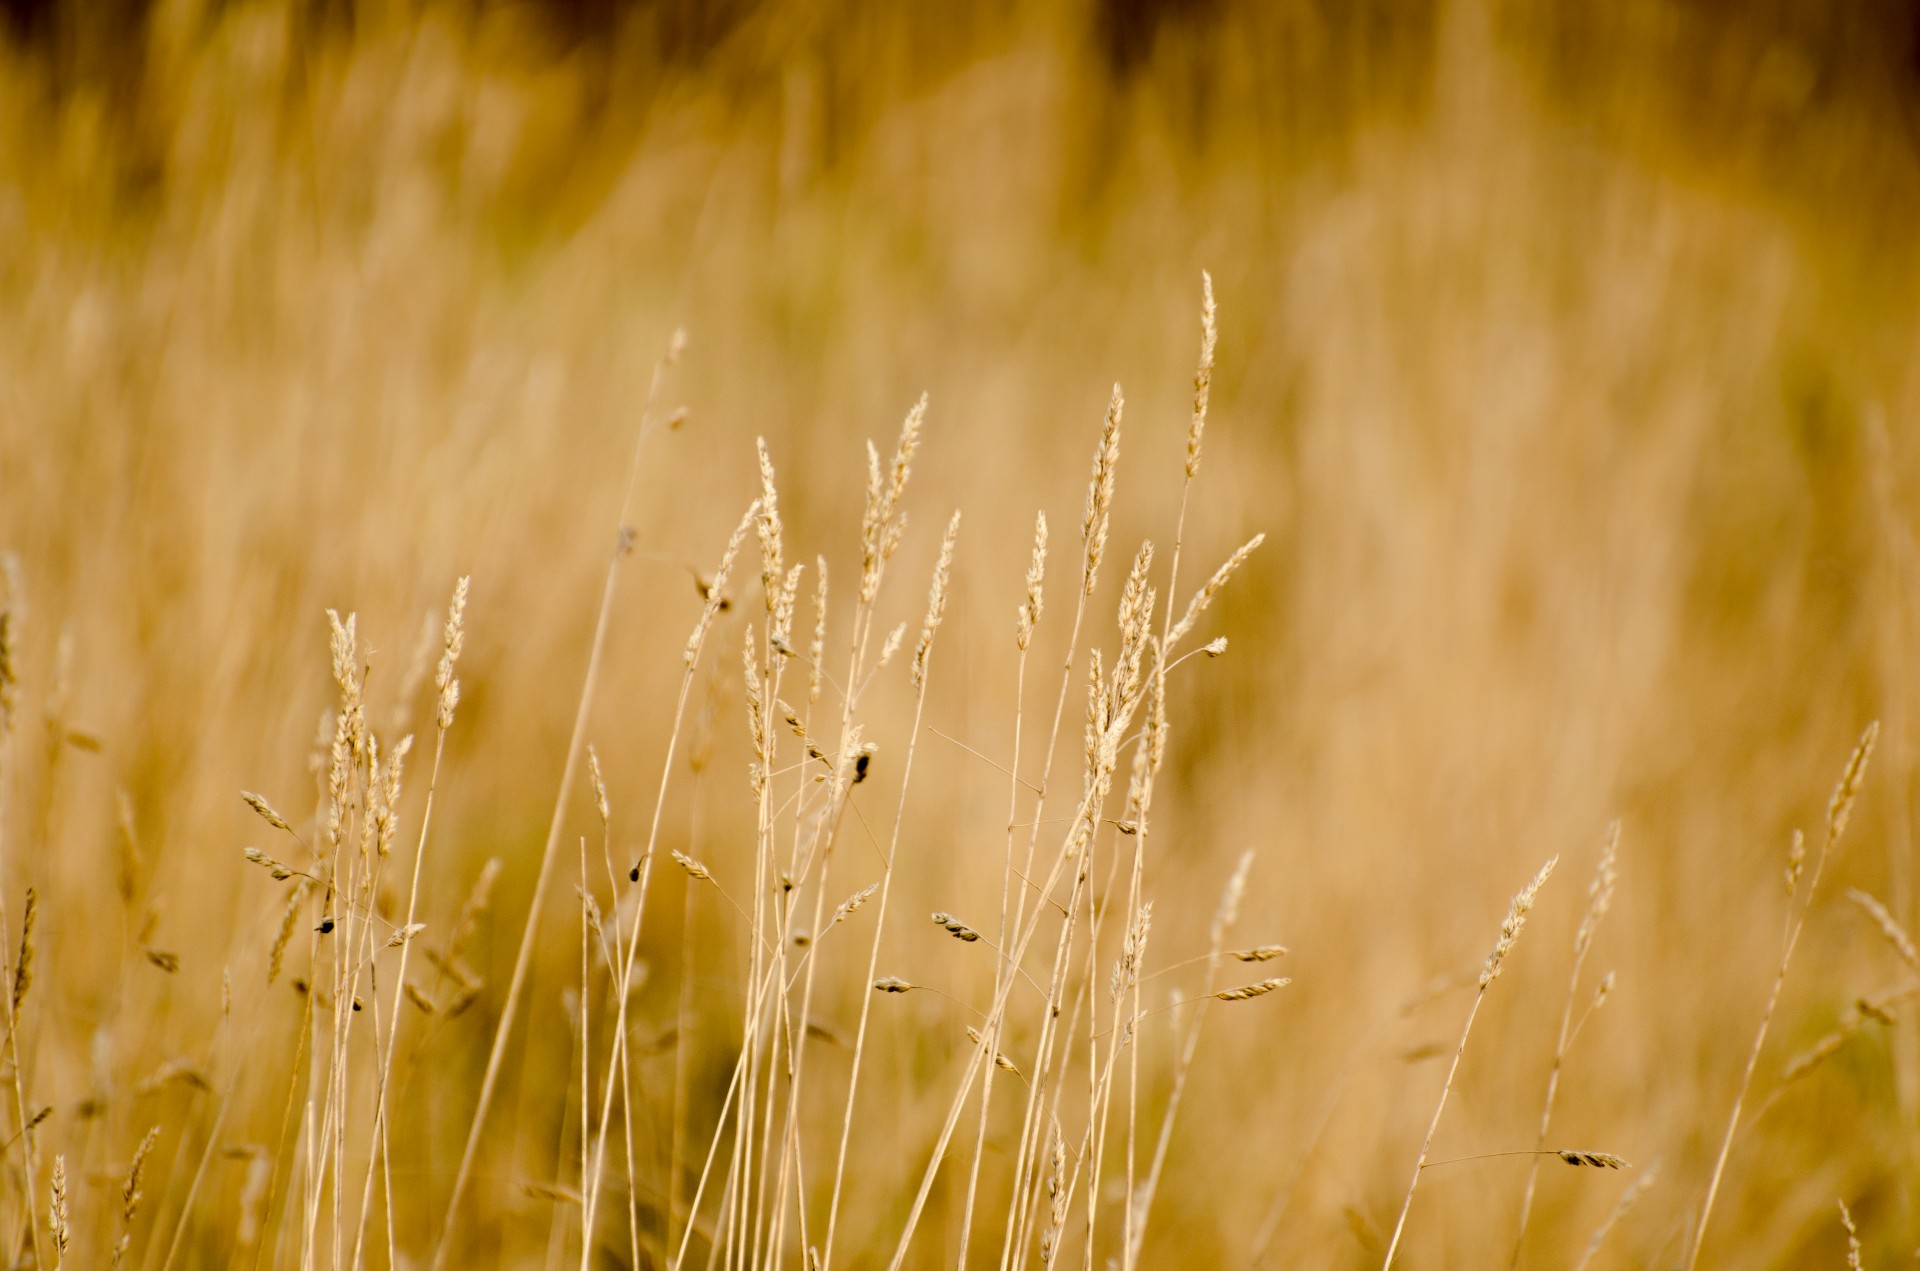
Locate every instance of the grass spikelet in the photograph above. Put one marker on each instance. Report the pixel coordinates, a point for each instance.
(1211, 588)
(404, 934)
(846, 908)
(1202, 375)
(1890, 928)
(1853, 1237)
(1247, 992)
(955, 928)
(57, 1211)
(452, 641)
(289, 923)
(1099, 511)
(693, 868)
(23, 967)
(1516, 918)
(266, 811)
(1598, 1160)
(1839, 809)
(13, 613)
(936, 601)
(1259, 953)
(716, 591)
(598, 785)
(420, 1000)
(817, 648)
(1028, 616)
(1599, 901)
(893, 984)
(168, 962)
(131, 1195)
(999, 1059)
(770, 532)
(1840, 806)
(278, 870)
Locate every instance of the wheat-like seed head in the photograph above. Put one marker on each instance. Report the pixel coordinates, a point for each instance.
(716, 591)
(1202, 375)
(1853, 1237)
(1093, 524)
(694, 868)
(845, 908)
(23, 968)
(599, 785)
(1516, 919)
(955, 928)
(1840, 806)
(893, 984)
(57, 1209)
(1211, 588)
(999, 1059)
(1247, 992)
(453, 640)
(1259, 953)
(936, 601)
(772, 566)
(1598, 1160)
(1028, 615)
(1599, 891)
(13, 616)
(289, 922)
(817, 650)
(891, 645)
(265, 809)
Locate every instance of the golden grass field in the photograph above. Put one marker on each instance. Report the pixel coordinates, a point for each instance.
(1565, 361)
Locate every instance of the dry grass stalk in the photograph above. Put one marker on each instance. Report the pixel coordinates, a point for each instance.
(1599, 900)
(131, 1195)
(523, 958)
(1490, 971)
(1839, 810)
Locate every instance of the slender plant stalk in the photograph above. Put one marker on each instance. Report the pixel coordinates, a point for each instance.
(1509, 933)
(576, 743)
(1839, 809)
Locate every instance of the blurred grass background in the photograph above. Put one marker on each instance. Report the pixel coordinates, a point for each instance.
(1566, 361)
